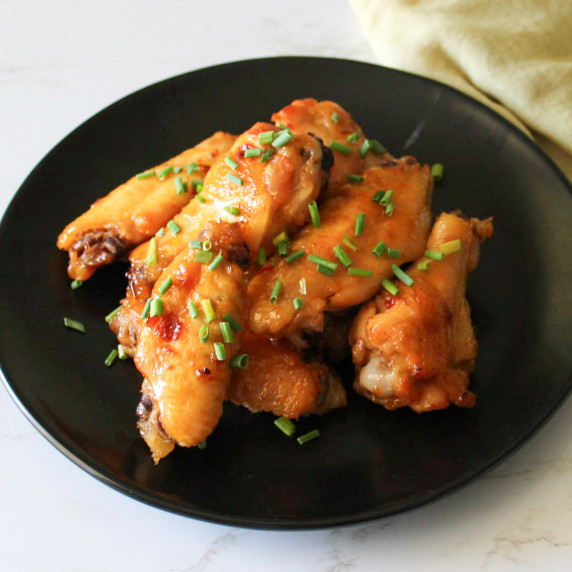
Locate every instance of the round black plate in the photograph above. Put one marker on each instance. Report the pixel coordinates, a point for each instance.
(368, 462)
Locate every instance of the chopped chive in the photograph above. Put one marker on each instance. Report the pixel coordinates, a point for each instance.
(145, 174)
(273, 261)
(146, 309)
(166, 171)
(392, 253)
(302, 286)
(425, 265)
(266, 137)
(353, 137)
(437, 172)
(324, 270)
(434, 254)
(389, 209)
(218, 259)
(390, 287)
(335, 117)
(202, 444)
(451, 246)
(359, 272)
(342, 255)
(231, 163)
(177, 170)
(208, 311)
(112, 314)
(261, 256)
(203, 256)
(282, 139)
(298, 304)
(160, 232)
(239, 361)
(377, 196)
(360, 223)
(283, 248)
(295, 256)
(226, 332)
(201, 199)
(253, 152)
(366, 146)
(195, 244)
(111, 357)
(282, 237)
(379, 249)
(340, 148)
(174, 227)
(386, 199)
(74, 325)
(234, 179)
(207, 245)
(403, 276)
(308, 436)
(152, 252)
(204, 334)
(354, 179)
(350, 242)
(196, 184)
(192, 167)
(180, 186)
(267, 155)
(165, 286)
(220, 351)
(314, 214)
(193, 312)
(377, 147)
(157, 307)
(76, 284)
(199, 188)
(283, 126)
(121, 353)
(285, 425)
(322, 261)
(275, 291)
(233, 323)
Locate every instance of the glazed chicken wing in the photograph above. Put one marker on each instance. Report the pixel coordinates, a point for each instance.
(331, 122)
(417, 348)
(404, 231)
(136, 210)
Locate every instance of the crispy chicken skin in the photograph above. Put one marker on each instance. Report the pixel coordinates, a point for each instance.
(273, 197)
(278, 380)
(416, 349)
(319, 117)
(405, 230)
(185, 384)
(134, 211)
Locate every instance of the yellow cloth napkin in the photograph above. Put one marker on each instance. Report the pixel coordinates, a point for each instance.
(513, 55)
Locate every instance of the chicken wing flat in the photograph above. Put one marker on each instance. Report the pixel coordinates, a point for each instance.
(404, 230)
(263, 195)
(137, 209)
(417, 348)
(278, 380)
(185, 359)
(332, 123)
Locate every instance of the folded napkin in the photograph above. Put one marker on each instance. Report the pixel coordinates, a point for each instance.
(512, 55)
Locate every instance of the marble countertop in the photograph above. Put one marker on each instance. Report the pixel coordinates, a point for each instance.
(61, 62)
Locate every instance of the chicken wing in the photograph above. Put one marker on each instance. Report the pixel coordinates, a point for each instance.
(404, 231)
(331, 122)
(137, 209)
(417, 348)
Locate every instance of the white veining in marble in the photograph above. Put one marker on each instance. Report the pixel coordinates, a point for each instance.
(64, 60)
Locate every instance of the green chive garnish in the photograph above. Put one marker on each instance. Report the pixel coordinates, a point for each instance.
(165, 286)
(145, 174)
(355, 179)
(285, 425)
(195, 244)
(324, 270)
(282, 237)
(208, 311)
(166, 171)
(360, 223)
(74, 325)
(220, 351)
(283, 248)
(157, 307)
(342, 256)
(121, 353)
(437, 172)
(193, 312)
(177, 170)
(350, 242)
(425, 265)
(180, 186)
(353, 137)
(233, 323)
(196, 184)
(266, 137)
(295, 256)
(267, 155)
(253, 152)
(192, 167)
(308, 436)
(364, 148)
(283, 138)
(283, 126)
(434, 254)
(322, 261)
(202, 445)
(231, 163)
(275, 291)
(379, 249)
(226, 332)
(111, 357)
(207, 245)
(377, 196)
(298, 304)
(232, 210)
(390, 287)
(261, 256)
(403, 276)
(234, 179)
(377, 147)
(174, 227)
(392, 253)
(389, 209)
(239, 361)
(451, 246)
(359, 272)
(218, 259)
(160, 232)
(112, 314)
(201, 199)
(203, 256)
(314, 214)
(76, 284)
(340, 148)
(335, 117)
(146, 309)
(386, 199)
(204, 334)
(152, 252)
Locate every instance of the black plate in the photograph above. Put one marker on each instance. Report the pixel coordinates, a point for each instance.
(368, 463)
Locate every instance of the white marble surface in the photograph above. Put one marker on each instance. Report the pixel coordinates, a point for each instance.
(60, 62)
